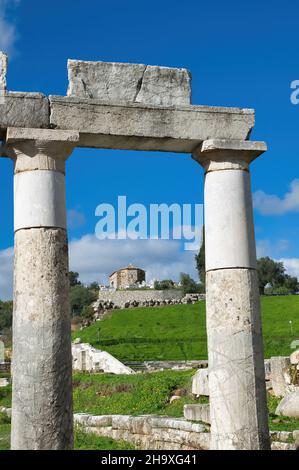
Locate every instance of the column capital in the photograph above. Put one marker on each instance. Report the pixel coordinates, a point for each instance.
(227, 154)
(39, 149)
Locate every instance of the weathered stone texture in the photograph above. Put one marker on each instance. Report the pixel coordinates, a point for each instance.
(24, 110)
(198, 412)
(148, 432)
(289, 405)
(200, 382)
(3, 71)
(145, 127)
(123, 83)
(280, 374)
(42, 362)
(294, 357)
(236, 364)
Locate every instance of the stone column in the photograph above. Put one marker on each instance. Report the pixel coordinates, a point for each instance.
(236, 364)
(42, 416)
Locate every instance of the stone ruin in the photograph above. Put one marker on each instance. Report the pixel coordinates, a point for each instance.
(133, 107)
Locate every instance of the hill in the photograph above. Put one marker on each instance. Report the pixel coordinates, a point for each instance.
(178, 332)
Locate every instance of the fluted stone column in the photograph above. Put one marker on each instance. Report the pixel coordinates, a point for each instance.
(42, 365)
(236, 364)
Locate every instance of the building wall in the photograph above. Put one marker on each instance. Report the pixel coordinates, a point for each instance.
(126, 277)
(120, 298)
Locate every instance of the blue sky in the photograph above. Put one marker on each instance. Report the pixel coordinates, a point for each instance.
(238, 56)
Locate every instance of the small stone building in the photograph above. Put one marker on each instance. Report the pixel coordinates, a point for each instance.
(126, 277)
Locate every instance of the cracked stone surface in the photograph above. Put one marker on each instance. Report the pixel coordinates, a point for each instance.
(42, 364)
(236, 365)
(123, 83)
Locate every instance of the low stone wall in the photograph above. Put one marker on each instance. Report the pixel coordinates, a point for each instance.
(122, 297)
(152, 366)
(148, 432)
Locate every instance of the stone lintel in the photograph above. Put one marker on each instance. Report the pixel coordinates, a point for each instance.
(23, 110)
(147, 127)
(228, 154)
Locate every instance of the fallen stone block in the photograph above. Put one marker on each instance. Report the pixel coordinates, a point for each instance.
(197, 412)
(200, 382)
(280, 375)
(289, 405)
(123, 83)
(294, 357)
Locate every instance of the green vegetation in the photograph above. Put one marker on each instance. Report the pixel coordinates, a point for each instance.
(280, 423)
(5, 396)
(178, 332)
(5, 315)
(82, 440)
(138, 394)
(132, 394)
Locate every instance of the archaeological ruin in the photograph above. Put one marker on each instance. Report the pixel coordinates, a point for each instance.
(133, 107)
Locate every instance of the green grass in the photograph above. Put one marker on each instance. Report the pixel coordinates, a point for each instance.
(178, 332)
(132, 394)
(82, 440)
(280, 423)
(5, 396)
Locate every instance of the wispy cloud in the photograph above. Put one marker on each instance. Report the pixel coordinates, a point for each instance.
(270, 204)
(75, 218)
(8, 32)
(271, 248)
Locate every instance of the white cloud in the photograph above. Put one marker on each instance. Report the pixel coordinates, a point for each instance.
(8, 33)
(95, 259)
(6, 273)
(270, 204)
(291, 265)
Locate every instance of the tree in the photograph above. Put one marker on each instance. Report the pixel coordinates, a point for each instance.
(80, 297)
(188, 284)
(200, 260)
(164, 285)
(5, 314)
(73, 277)
(291, 283)
(270, 272)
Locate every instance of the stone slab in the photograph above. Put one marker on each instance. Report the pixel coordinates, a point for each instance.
(294, 357)
(289, 405)
(23, 110)
(280, 374)
(198, 412)
(129, 83)
(145, 127)
(200, 382)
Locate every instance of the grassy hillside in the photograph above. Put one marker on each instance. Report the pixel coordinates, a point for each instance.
(178, 332)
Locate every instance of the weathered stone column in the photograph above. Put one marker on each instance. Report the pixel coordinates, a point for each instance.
(236, 364)
(42, 365)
